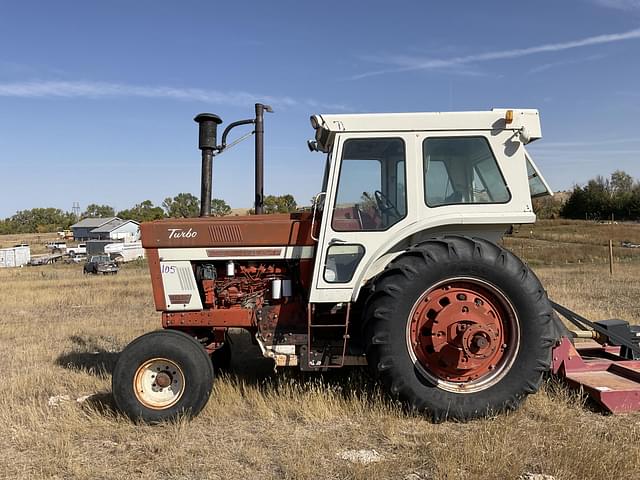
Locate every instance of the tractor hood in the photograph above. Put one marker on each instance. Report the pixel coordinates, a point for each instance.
(249, 230)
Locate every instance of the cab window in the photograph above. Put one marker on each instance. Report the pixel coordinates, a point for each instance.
(371, 192)
(461, 170)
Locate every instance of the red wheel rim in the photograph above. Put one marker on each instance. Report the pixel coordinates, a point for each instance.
(463, 334)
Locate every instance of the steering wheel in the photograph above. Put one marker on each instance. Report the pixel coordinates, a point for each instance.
(385, 205)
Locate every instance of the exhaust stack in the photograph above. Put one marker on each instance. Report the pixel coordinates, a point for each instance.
(259, 183)
(207, 142)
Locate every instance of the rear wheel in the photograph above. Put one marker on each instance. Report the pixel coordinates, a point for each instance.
(459, 328)
(162, 375)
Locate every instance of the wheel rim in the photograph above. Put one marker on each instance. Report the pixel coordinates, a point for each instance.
(463, 334)
(158, 383)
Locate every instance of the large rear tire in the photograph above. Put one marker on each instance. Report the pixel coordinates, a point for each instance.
(162, 375)
(459, 328)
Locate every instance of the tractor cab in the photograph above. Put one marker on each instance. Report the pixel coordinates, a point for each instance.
(392, 178)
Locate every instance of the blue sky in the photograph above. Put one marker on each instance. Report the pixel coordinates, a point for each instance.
(97, 98)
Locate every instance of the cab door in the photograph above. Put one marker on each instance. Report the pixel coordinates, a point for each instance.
(369, 197)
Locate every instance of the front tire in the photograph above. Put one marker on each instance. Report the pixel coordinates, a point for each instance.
(161, 376)
(459, 328)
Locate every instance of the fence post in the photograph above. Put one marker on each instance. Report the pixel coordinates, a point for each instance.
(610, 257)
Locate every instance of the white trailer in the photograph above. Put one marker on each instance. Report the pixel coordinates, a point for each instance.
(14, 256)
(124, 252)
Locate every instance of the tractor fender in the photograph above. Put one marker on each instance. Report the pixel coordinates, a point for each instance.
(422, 230)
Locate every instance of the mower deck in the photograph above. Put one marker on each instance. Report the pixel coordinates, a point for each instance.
(608, 378)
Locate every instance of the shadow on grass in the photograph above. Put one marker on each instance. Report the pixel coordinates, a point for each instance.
(249, 368)
(97, 355)
(561, 392)
(103, 404)
(90, 355)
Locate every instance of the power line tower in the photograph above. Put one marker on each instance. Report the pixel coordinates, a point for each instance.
(76, 209)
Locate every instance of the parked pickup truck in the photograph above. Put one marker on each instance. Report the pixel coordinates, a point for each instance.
(80, 249)
(57, 247)
(100, 265)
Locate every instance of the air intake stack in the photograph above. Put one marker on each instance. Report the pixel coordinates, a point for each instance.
(207, 142)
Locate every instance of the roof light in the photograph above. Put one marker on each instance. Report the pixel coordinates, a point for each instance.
(508, 117)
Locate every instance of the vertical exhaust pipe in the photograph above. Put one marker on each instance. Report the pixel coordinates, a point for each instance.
(259, 183)
(207, 142)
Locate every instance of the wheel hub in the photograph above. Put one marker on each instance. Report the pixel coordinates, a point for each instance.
(459, 331)
(159, 383)
(163, 379)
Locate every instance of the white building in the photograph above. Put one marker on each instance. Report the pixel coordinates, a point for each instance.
(112, 228)
(14, 256)
(116, 229)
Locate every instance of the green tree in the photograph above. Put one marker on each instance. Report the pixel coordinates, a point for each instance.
(38, 220)
(621, 183)
(593, 201)
(99, 211)
(6, 227)
(145, 211)
(602, 197)
(183, 205)
(547, 207)
(621, 187)
(219, 208)
(634, 202)
(280, 204)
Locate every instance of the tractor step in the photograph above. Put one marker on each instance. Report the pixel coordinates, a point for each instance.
(607, 377)
(324, 357)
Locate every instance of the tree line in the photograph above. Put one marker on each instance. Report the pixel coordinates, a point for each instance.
(602, 198)
(183, 205)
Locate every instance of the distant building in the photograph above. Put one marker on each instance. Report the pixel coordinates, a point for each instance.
(112, 228)
(117, 229)
(15, 257)
(82, 229)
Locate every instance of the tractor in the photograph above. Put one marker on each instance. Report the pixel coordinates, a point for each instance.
(397, 266)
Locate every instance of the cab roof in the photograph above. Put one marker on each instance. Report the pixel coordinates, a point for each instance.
(327, 125)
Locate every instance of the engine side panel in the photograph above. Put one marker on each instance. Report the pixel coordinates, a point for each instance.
(243, 231)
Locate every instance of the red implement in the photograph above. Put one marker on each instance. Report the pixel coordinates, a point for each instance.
(608, 378)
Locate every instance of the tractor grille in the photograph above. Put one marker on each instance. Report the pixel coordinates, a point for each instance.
(186, 278)
(225, 233)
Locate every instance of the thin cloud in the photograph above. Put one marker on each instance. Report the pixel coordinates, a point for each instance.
(404, 63)
(625, 93)
(619, 4)
(95, 90)
(571, 153)
(547, 66)
(593, 143)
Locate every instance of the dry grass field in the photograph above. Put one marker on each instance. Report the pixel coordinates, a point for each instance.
(60, 334)
(37, 241)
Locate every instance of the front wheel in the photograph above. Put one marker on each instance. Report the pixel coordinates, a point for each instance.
(459, 328)
(162, 375)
